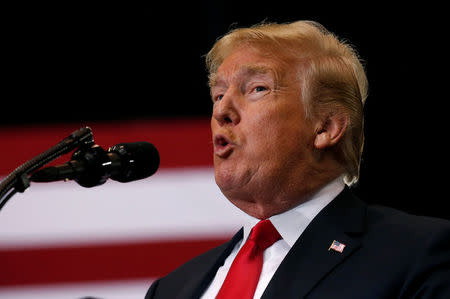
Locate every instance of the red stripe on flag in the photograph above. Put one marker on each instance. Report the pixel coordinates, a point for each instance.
(97, 262)
(181, 143)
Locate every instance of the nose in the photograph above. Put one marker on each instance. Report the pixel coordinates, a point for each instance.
(226, 112)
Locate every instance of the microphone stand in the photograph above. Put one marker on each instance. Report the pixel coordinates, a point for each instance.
(18, 180)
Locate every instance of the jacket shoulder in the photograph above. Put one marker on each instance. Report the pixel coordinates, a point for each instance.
(193, 276)
(420, 244)
(402, 223)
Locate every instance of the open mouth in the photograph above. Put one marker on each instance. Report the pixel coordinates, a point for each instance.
(222, 146)
(221, 141)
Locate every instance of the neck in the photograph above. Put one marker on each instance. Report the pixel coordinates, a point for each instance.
(264, 203)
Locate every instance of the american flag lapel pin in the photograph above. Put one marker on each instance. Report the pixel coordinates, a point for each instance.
(337, 246)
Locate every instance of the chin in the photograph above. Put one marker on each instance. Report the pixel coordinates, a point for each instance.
(228, 182)
(225, 174)
(224, 182)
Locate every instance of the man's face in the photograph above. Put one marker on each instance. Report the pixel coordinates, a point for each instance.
(262, 142)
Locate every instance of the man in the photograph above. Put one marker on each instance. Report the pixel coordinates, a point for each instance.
(287, 128)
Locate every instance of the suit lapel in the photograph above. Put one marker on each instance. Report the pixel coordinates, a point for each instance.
(310, 259)
(202, 277)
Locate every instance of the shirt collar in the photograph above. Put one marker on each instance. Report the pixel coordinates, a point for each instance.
(292, 223)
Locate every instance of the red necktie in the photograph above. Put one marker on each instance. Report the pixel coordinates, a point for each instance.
(243, 276)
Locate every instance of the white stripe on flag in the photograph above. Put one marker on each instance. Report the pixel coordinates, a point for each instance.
(132, 289)
(172, 204)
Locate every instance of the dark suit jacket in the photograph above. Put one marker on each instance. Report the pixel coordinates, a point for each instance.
(388, 254)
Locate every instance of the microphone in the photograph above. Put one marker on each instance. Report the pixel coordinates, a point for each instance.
(92, 166)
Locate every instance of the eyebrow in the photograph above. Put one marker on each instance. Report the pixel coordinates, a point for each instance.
(215, 79)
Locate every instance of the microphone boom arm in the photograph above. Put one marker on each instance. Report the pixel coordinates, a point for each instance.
(18, 180)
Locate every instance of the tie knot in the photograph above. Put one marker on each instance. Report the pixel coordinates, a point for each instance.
(264, 234)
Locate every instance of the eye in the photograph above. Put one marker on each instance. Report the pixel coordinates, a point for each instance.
(218, 97)
(260, 88)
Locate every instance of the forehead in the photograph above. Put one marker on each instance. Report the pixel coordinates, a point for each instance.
(245, 62)
(242, 71)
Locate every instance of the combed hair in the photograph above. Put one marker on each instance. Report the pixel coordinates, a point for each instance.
(332, 76)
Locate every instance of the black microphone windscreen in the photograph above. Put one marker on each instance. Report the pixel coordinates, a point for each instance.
(138, 160)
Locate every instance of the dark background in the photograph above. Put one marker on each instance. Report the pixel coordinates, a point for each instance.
(94, 62)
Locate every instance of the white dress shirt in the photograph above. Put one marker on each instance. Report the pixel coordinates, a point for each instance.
(290, 225)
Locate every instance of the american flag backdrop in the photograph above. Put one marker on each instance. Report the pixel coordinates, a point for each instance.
(130, 73)
(60, 240)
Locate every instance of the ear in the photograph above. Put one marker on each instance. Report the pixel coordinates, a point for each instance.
(330, 130)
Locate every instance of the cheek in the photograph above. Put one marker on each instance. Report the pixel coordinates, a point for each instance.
(213, 127)
(280, 134)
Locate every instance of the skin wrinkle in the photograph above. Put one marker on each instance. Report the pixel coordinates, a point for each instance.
(244, 71)
(280, 63)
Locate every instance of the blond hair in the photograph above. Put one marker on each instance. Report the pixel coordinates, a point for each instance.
(332, 77)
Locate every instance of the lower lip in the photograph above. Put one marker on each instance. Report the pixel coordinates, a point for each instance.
(223, 151)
